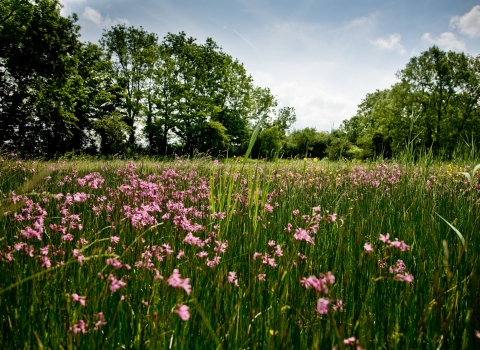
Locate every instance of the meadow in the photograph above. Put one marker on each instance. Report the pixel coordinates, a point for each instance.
(202, 254)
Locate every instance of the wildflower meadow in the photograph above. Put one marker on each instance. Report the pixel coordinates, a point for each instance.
(202, 254)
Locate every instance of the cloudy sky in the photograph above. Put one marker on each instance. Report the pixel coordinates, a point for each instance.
(319, 56)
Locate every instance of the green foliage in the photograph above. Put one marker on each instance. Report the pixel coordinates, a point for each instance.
(58, 95)
(38, 77)
(113, 133)
(307, 142)
(39, 305)
(131, 52)
(434, 106)
(214, 138)
(286, 117)
(270, 142)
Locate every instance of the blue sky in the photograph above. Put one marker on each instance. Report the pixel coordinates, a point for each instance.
(319, 56)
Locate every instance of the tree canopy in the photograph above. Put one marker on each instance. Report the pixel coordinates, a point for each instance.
(134, 93)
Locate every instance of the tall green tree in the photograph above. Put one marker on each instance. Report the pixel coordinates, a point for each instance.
(131, 52)
(430, 81)
(445, 85)
(433, 106)
(97, 104)
(204, 100)
(38, 77)
(272, 140)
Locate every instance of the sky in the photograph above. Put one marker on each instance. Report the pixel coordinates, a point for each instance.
(319, 56)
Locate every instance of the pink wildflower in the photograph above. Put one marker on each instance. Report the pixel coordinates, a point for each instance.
(157, 275)
(67, 237)
(232, 278)
(330, 278)
(167, 249)
(115, 284)
(114, 239)
(350, 340)
(278, 250)
(28, 233)
(261, 277)
(322, 306)
(404, 278)
(19, 246)
(45, 261)
(100, 322)
(114, 262)
(338, 305)
(268, 260)
(176, 281)
(78, 254)
(221, 246)
(386, 238)
(268, 208)
(311, 282)
(80, 326)
(301, 256)
(399, 267)
(202, 254)
(214, 262)
(182, 311)
(302, 234)
(79, 299)
(80, 197)
(368, 248)
(399, 245)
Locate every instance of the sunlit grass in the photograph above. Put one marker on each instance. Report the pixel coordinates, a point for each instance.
(250, 237)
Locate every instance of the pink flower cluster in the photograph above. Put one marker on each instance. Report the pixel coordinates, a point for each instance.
(183, 312)
(232, 278)
(93, 180)
(176, 281)
(115, 284)
(321, 284)
(399, 245)
(80, 326)
(399, 269)
(79, 299)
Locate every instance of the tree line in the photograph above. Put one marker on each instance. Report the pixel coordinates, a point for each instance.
(128, 93)
(132, 93)
(434, 107)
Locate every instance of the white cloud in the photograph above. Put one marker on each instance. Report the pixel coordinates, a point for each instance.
(447, 41)
(365, 21)
(317, 90)
(469, 23)
(390, 44)
(315, 105)
(67, 6)
(94, 16)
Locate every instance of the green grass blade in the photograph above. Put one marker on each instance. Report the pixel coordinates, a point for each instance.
(454, 229)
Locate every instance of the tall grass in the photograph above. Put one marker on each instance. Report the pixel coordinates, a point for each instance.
(231, 211)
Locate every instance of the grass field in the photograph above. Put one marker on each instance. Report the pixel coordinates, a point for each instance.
(268, 255)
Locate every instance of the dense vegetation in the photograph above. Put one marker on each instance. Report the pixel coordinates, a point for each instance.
(133, 94)
(211, 255)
